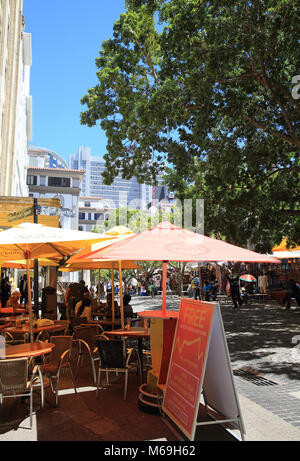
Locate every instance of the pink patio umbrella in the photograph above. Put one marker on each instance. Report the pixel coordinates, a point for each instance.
(167, 242)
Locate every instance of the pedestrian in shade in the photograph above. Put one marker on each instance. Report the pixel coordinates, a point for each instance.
(235, 290)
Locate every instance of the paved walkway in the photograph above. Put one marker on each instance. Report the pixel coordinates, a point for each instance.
(266, 367)
(265, 357)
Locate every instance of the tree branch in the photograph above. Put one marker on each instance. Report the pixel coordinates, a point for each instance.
(267, 84)
(233, 79)
(277, 134)
(290, 212)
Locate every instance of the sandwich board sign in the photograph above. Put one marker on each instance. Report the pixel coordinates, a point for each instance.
(199, 363)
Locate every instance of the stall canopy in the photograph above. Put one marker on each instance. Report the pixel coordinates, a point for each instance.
(167, 242)
(281, 251)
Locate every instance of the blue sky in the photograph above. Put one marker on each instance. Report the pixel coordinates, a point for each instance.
(66, 38)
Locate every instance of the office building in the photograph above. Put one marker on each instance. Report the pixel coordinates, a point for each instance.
(15, 100)
(93, 211)
(120, 193)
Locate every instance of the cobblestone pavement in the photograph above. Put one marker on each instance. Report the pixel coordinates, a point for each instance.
(262, 341)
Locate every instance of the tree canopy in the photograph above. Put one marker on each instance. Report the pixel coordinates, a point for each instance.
(202, 92)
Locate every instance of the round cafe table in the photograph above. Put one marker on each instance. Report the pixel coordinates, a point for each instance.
(26, 350)
(29, 350)
(26, 329)
(10, 311)
(13, 318)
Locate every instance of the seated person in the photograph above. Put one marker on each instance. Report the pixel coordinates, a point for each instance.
(244, 295)
(107, 309)
(127, 309)
(249, 286)
(84, 308)
(13, 300)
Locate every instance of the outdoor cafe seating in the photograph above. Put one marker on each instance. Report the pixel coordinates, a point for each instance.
(85, 337)
(14, 380)
(59, 360)
(69, 350)
(113, 359)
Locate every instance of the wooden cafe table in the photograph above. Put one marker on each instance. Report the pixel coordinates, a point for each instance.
(27, 350)
(10, 311)
(105, 322)
(135, 333)
(13, 319)
(25, 329)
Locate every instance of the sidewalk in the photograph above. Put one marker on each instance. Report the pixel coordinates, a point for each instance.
(259, 341)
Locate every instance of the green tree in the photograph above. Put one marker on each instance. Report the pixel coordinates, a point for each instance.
(205, 96)
(135, 220)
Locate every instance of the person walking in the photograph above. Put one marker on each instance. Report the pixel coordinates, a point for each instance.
(23, 290)
(5, 291)
(152, 290)
(235, 290)
(196, 283)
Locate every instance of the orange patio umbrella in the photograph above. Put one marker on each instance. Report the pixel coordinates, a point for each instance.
(22, 264)
(167, 242)
(33, 241)
(76, 261)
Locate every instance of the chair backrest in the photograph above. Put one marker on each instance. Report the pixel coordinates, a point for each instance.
(76, 321)
(43, 335)
(62, 343)
(111, 353)
(65, 323)
(89, 334)
(13, 375)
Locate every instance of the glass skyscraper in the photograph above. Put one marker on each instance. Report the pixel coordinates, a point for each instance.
(120, 193)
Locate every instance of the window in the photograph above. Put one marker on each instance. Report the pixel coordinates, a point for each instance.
(87, 204)
(59, 182)
(81, 215)
(31, 180)
(42, 180)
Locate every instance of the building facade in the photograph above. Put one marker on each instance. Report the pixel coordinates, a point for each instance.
(45, 158)
(121, 193)
(48, 177)
(15, 100)
(93, 211)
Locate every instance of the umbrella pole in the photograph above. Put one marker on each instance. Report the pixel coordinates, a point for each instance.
(99, 294)
(121, 295)
(29, 299)
(113, 297)
(164, 287)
